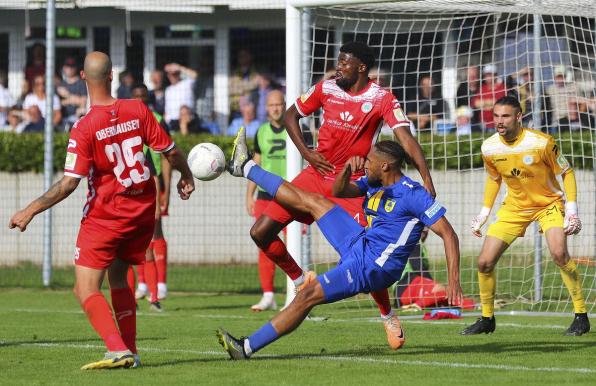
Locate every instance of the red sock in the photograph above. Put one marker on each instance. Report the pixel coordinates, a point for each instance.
(276, 251)
(130, 278)
(125, 309)
(382, 299)
(101, 318)
(151, 279)
(141, 272)
(266, 272)
(160, 251)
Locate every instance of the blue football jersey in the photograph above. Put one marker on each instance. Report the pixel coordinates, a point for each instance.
(396, 215)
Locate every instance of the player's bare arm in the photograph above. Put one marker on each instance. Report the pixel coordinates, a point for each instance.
(343, 187)
(57, 192)
(316, 159)
(444, 230)
(186, 184)
(412, 147)
(166, 172)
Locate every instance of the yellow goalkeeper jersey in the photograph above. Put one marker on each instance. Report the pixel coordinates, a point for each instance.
(528, 166)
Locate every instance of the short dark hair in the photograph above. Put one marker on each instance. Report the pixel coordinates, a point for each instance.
(394, 150)
(362, 51)
(139, 85)
(509, 100)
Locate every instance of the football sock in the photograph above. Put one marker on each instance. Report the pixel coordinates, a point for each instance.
(572, 282)
(382, 299)
(123, 302)
(151, 279)
(160, 251)
(487, 284)
(387, 316)
(130, 278)
(141, 273)
(262, 337)
(101, 318)
(266, 272)
(268, 181)
(277, 252)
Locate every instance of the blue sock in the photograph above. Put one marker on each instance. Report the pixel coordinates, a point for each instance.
(262, 337)
(268, 181)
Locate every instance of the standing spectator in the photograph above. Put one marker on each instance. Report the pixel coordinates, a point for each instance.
(15, 122)
(203, 90)
(157, 95)
(6, 101)
(38, 98)
(242, 81)
(36, 64)
(577, 117)
(258, 96)
(427, 107)
(179, 92)
(35, 121)
(73, 92)
(126, 81)
(248, 119)
(187, 122)
(492, 89)
(270, 153)
(559, 93)
(468, 89)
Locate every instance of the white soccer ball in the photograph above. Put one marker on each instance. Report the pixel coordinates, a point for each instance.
(206, 161)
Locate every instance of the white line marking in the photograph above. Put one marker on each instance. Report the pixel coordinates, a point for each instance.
(337, 358)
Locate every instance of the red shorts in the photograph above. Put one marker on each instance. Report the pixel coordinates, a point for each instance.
(97, 247)
(311, 181)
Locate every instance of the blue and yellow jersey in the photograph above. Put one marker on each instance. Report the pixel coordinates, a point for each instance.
(396, 215)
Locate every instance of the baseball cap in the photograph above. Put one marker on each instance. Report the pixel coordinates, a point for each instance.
(70, 62)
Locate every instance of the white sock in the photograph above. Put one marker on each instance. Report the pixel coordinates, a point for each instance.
(142, 287)
(247, 349)
(247, 167)
(161, 286)
(268, 295)
(388, 316)
(299, 281)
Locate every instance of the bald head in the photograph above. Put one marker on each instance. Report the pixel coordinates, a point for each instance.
(275, 96)
(97, 67)
(275, 106)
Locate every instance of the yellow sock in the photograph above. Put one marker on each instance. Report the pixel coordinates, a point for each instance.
(571, 279)
(488, 285)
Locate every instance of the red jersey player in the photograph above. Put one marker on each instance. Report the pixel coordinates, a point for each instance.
(354, 108)
(106, 146)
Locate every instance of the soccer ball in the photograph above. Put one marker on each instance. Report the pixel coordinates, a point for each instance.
(206, 161)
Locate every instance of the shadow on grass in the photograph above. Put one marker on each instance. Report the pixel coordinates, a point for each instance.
(73, 341)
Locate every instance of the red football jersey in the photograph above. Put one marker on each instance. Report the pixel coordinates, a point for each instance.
(350, 122)
(106, 146)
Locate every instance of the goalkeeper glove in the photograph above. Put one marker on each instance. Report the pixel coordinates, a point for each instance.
(478, 221)
(571, 225)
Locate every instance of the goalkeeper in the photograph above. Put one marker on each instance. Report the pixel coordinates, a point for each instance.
(528, 161)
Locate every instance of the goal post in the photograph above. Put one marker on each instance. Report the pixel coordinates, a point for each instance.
(447, 40)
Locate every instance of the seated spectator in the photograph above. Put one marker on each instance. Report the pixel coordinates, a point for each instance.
(179, 93)
(464, 124)
(15, 123)
(187, 122)
(559, 93)
(248, 119)
(577, 117)
(73, 92)
(208, 123)
(427, 107)
(35, 121)
(38, 98)
(6, 101)
(126, 81)
(242, 80)
(258, 96)
(492, 89)
(157, 95)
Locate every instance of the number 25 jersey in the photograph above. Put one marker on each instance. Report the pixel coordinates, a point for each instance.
(106, 146)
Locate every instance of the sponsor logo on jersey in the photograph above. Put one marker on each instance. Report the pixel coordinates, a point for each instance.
(366, 107)
(335, 101)
(528, 159)
(406, 183)
(515, 172)
(277, 145)
(399, 114)
(123, 314)
(389, 205)
(562, 161)
(520, 174)
(434, 209)
(304, 97)
(120, 128)
(346, 116)
(71, 161)
(500, 160)
(71, 143)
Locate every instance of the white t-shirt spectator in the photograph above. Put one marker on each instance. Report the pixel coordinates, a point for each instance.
(6, 102)
(176, 96)
(33, 100)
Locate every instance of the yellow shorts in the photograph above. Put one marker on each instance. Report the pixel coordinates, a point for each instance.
(511, 222)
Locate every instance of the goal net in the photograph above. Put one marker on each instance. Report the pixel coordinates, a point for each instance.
(437, 57)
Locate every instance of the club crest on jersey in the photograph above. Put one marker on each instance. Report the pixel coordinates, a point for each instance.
(304, 97)
(366, 107)
(528, 159)
(389, 205)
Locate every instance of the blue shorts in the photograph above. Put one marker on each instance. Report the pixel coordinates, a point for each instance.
(353, 274)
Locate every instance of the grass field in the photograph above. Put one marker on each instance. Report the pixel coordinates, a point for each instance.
(45, 338)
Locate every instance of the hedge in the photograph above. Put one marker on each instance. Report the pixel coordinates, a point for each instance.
(22, 153)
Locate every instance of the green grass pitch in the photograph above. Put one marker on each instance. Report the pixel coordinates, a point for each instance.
(45, 339)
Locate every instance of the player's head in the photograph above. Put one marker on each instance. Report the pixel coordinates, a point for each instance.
(140, 92)
(97, 68)
(355, 60)
(507, 115)
(386, 157)
(275, 105)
